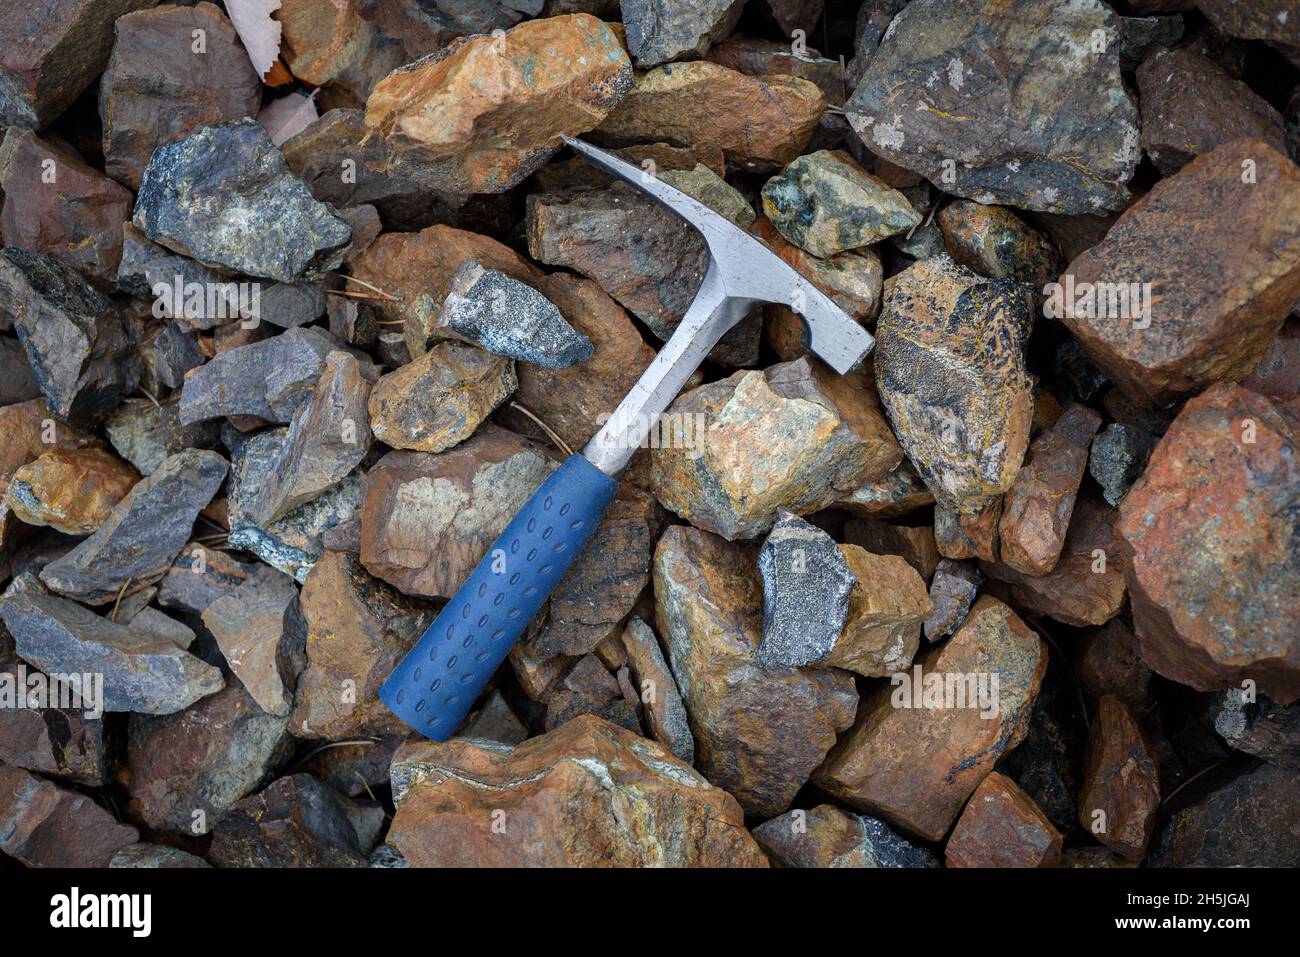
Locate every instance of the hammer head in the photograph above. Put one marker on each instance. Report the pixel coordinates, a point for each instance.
(749, 271)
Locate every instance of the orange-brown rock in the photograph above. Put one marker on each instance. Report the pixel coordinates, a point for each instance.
(417, 268)
(918, 749)
(487, 111)
(1107, 663)
(1036, 511)
(824, 435)
(1216, 287)
(968, 534)
(438, 399)
(757, 123)
(758, 734)
(44, 825)
(588, 794)
(572, 401)
(1121, 786)
(71, 490)
(358, 629)
(1212, 525)
(887, 607)
(27, 431)
(331, 45)
(995, 242)
(56, 204)
(826, 836)
(426, 520)
(1087, 585)
(913, 542)
(1001, 826)
(899, 493)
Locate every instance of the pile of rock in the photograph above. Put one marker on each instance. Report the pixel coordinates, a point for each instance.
(279, 362)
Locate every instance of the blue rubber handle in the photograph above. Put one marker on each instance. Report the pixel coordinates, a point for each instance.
(440, 678)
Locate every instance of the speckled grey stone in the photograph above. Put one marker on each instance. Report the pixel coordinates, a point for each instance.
(1118, 457)
(225, 196)
(826, 836)
(155, 856)
(144, 434)
(143, 533)
(141, 672)
(806, 586)
(509, 318)
(385, 855)
(1261, 727)
(952, 590)
(80, 347)
(662, 30)
(664, 710)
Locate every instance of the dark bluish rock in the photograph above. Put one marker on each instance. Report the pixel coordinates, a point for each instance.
(662, 30)
(806, 587)
(509, 318)
(1118, 458)
(226, 197)
(952, 590)
(295, 822)
(1261, 727)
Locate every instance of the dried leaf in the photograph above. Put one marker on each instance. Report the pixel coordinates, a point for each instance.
(258, 31)
(288, 116)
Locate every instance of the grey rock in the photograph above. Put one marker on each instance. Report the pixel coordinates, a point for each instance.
(144, 532)
(53, 741)
(1018, 103)
(144, 434)
(198, 577)
(1139, 37)
(327, 439)
(663, 30)
(874, 17)
(79, 346)
(1118, 458)
(495, 721)
(295, 822)
(141, 672)
(155, 856)
(806, 587)
(509, 318)
(665, 711)
(268, 380)
(17, 382)
(952, 590)
(170, 353)
(225, 196)
(289, 305)
(256, 634)
(385, 855)
(203, 759)
(1261, 727)
(151, 621)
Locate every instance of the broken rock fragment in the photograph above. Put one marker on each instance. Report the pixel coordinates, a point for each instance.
(806, 586)
(185, 769)
(49, 56)
(998, 102)
(80, 347)
(140, 672)
(156, 856)
(1036, 511)
(588, 688)
(707, 604)
(661, 30)
(915, 543)
(71, 490)
(826, 204)
(758, 123)
(887, 605)
(259, 643)
(511, 319)
(995, 242)
(1118, 458)
(580, 795)
(538, 80)
(56, 742)
(952, 592)
(950, 368)
(1258, 726)
(1121, 787)
(358, 629)
(438, 399)
(1164, 309)
(826, 836)
(912, 759)
(44, 825)
(158, 87)
(295, 822)
(826, 432)
(426, 520)
(57, 205)
(1001, 826)
(665, 713)
(899, 493)
(1211, 525)
(224, 196)
(143, 533)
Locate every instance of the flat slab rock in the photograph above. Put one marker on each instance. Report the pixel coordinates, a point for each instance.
(140, 671)
(1212, 527)
(826, 836)
(294, 822)
(1121, 784)
(44, 825)
(586, 793)
(225, 196)
(914, 764)
(707, 604)
(1001, 826)
(1009, 101)
(661, 30)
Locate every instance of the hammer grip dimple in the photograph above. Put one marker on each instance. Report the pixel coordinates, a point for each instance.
(438, 681)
